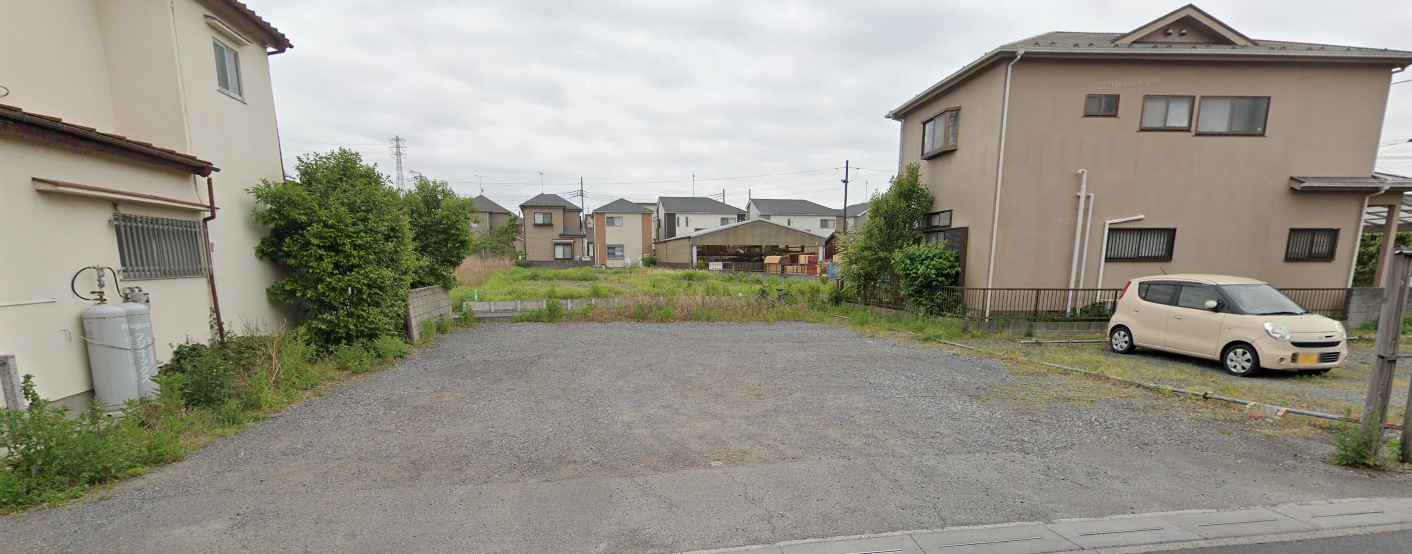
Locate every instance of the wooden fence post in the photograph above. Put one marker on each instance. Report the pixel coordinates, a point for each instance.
(1385, 351)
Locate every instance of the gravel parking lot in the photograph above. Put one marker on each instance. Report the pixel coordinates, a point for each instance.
(626, 437)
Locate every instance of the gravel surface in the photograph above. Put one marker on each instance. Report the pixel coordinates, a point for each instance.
(628, 437)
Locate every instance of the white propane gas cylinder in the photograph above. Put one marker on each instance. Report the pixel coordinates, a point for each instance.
(110, 358)
(144, 347)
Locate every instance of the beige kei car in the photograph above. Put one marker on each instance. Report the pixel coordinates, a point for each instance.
(1245, 324)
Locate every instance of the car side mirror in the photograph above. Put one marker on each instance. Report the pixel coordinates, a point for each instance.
(1212, 304)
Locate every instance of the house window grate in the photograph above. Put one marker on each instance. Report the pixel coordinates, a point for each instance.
(159, 247)
(1311, 245)
(1141, 245)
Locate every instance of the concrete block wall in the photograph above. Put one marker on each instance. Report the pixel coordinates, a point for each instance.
(1365, 305)
(561, 264)
(426, 304)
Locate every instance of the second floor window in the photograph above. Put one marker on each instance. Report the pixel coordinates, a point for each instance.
(1228, 115)
(615, 221)
(1101, 105)
(727, 221)
(941, 133)
(227, 69)
(543, 218)
(1141, 245)
(826, 223)
(1166, 113)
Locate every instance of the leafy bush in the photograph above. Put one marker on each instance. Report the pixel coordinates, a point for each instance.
(925, 270)
(701, 264)
(1357, 445)
(866, 255)
(649, 260)
(695, 274)
(202, 373)
(352, 358)
(49, 455)
(388, 348)
(341, 232)
(441, 230)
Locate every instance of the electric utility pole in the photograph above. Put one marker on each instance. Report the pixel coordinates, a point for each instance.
(583, 205)
(693, 184)
(399, 150)
(845, 195)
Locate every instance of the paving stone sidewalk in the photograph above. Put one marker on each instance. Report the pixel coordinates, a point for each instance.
(1113, 532)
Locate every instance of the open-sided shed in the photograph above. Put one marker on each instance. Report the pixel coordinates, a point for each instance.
(745, 241)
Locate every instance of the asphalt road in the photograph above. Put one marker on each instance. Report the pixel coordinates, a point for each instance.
(631, 437)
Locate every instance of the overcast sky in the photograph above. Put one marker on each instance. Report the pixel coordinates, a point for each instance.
(635, 97)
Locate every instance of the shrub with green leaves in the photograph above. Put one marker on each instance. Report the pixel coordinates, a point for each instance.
(389, 348)
(649, 260)
(441, 230)
(926, 270)
(867, 253)
(341, 233)
(1357, 445)
(353, 358)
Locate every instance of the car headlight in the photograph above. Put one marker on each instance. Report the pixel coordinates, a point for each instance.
(1276, 331)
(1342, 332)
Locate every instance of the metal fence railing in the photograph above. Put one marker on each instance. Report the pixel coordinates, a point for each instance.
(1330, 303)
(1030, 304)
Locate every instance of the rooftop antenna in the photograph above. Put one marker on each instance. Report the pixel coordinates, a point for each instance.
(693, 184)
(481, 184)
(541, 182)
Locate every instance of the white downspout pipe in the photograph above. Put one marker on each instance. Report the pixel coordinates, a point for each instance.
(1088, 232)
(1104, 260)
(999, 179)
(1358, 232)
(1078, 238)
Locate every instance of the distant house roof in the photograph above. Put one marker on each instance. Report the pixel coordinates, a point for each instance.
(487, 205)
(1374, 183)
(787, 206)
(623, 206)
(237, 12)
(57, 130)
(814, 239)
(1225, 44)
(696, 204)
(854, 210)
(550, 201)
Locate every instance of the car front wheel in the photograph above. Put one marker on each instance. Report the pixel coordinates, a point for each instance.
(1241, 360)
(1121, 340)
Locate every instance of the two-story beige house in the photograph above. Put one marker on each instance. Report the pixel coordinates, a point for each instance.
(622, 234)
(1085, 159)
(129, 133)
(553, 229)
(796, 214)
(489, 215)
(684, 215)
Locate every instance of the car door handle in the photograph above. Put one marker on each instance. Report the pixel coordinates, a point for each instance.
(1176, 317)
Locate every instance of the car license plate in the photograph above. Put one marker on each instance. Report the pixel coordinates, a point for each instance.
(1305, 358)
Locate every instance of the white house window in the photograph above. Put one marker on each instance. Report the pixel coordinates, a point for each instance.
(160, 248)
(564, 251)
(1166, 113)
(615, 221)
(826, 224)
(543, 218)
(615, 252)
(681, 221)
(727, 221)
(1232, 115)
(227, 69)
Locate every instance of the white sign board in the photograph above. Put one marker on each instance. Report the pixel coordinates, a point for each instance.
(718, 266)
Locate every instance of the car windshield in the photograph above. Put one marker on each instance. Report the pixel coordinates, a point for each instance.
(1261, 300)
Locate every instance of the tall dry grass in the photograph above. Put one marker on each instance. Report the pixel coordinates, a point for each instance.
(475, 270)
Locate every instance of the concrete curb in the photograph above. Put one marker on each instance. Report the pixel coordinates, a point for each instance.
(1123, 534)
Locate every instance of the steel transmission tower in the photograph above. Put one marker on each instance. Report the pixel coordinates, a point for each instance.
(399, 151)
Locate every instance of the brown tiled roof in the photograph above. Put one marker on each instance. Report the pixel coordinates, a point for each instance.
(243, 14)
(84, 136)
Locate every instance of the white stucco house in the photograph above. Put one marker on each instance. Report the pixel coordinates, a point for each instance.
(129, 132)
(796, 214)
